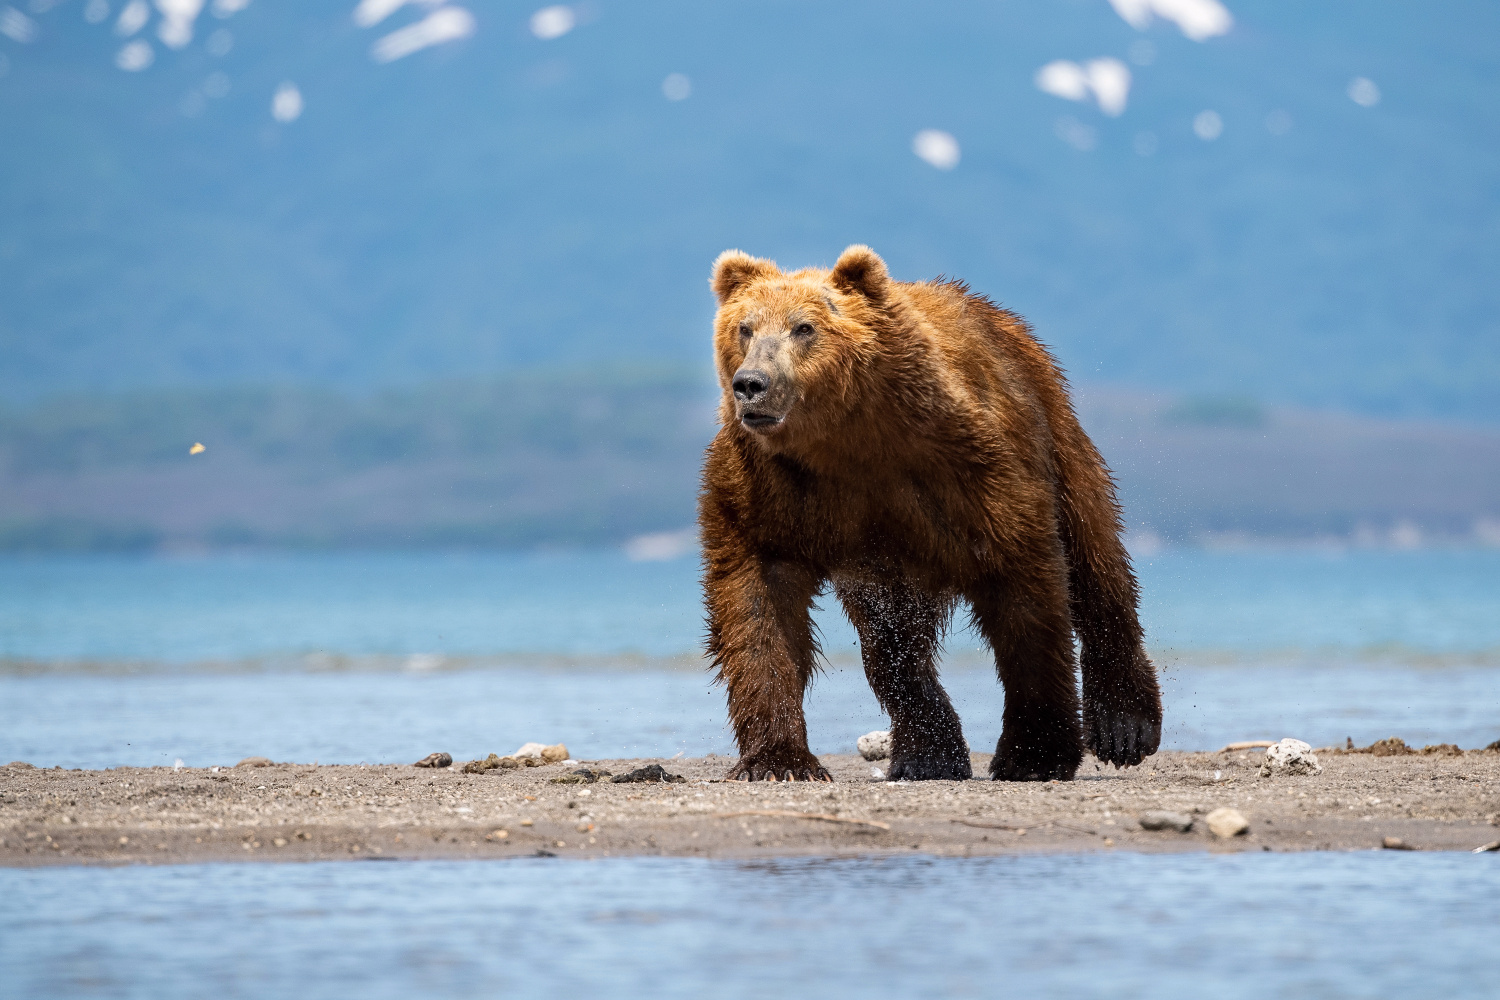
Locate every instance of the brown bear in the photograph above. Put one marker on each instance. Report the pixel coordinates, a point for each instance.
(914, 446)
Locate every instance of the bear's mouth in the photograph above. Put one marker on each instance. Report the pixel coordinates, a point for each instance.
(760, 421)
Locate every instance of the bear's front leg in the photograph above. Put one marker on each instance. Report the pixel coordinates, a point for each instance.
(760, 636)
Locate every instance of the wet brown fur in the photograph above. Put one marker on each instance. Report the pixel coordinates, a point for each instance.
(930, 457)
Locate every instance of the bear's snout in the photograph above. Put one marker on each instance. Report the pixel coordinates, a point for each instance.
(750, 385)
(757, 397)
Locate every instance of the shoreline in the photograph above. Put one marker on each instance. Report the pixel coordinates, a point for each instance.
(304, 812)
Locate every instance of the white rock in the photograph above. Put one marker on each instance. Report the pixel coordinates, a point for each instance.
(1226, 822)
(554, 754)
(874, 746)
(1290, 757)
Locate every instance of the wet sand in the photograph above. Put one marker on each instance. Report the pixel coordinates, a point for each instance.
(303, 812)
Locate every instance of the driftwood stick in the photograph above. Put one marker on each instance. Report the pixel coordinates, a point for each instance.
(1249, 745)
(788, 814)
(990, 826)
(1018, 828)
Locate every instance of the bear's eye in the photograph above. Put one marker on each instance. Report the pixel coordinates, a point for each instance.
(744, 330)
(802, 330)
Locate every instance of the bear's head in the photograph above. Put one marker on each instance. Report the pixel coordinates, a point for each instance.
(791, 347)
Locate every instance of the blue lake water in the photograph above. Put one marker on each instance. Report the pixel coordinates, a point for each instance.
(386, 657)
(1311, 926)
(381, 657)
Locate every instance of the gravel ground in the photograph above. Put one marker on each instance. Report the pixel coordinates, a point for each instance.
(301, 812)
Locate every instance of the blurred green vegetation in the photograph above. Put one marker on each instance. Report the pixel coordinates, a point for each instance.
(1216, 411)
(565, 456)
(640, 411)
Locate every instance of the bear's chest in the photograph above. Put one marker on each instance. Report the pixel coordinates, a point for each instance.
(847, 522)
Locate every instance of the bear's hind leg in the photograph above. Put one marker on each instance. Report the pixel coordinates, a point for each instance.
(1121, 698)
(898, 628)
(1024, 617)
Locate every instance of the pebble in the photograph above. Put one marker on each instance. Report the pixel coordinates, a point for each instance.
(1396, 844)
(582, 776)
(874, 746)
(1160, 820)
(1290, 757)
(1225, 822)
(435, 760)
(649, 773)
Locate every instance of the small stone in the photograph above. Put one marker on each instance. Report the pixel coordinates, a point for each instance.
(497, 835)
(1290, 757)
(1396, 844)
(279, 841)
(874, 746)
(1161, 820)
(647, 774)
(490, 763)
(435, 760)
(582, 776)
(1225, 822)
(526, 822)
(255, 762)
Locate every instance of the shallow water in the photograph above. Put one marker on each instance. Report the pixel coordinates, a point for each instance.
(387, 657)
(347, 718)
(1229, 926)
(238, 608)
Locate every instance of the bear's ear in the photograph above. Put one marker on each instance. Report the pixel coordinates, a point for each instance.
(735, 269)
(860, 271)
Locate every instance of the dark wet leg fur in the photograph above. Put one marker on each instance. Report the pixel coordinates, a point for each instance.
(1121, 698)
(898, 628)
(1024, 616)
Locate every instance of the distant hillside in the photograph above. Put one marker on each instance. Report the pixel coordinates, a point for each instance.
(599, 456)
(507, 201)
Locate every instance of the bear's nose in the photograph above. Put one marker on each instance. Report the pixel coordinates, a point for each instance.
(750, 385)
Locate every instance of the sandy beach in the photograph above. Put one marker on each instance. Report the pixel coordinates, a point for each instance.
(301, 812)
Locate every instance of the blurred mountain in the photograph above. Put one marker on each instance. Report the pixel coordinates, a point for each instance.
(600, 456)
(581, 457)
(506, 201)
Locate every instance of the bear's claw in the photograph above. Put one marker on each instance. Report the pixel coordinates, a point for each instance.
(1002, 769)
(930, 769)
(1123, 739)
(767, 768)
